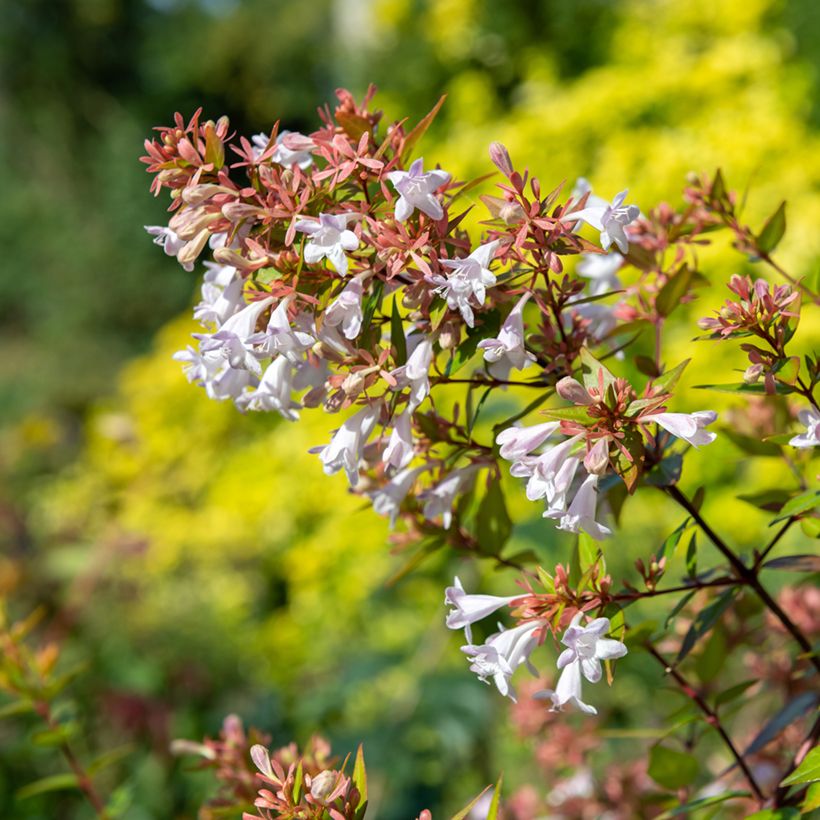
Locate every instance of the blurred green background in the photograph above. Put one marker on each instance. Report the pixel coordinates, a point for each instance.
(165, 532)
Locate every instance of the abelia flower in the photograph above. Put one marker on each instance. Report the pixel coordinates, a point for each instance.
(609, 219)
(169, 242)
(469, 280)
(811, 438)
(688, 426)
(387, 499)
(581, 512)
(601, 270)
(346, 446)
(507, 350)
(470, 608)
(329, 238)
(517, 442)
(298, 151)
(399, 450)
(417, 189)
(415, 374)
(219, 303)
(273, 393)
(439, 499)
(282, 338)
(502, 654)
(346, 310)
(586, 648)
(544, 469)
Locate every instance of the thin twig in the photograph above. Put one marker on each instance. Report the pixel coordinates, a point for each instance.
(711, 717)
(770, 546)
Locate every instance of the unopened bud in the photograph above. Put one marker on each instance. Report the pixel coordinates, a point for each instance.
(753, 373)
(354, 384)
(597, 459)
(239, 210)
(572, 390)
(501, 158)
(322, 786)
(197, 194)
(191, 250)
(450, 335)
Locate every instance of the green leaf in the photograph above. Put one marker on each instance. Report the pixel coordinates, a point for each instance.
(793, 710)
(733, 692)
(630, 468)
(669, 380)
(710, 661)
(371, 303)
(109, 758)
(667, 472)
(493, 523)
(490, 324)
(591, 369)
(701, 803)
(397, 337)
(774, 814)
(16, 707)
(769, 238)
(741, 387)
(672, 769)
(460, 815)
(55, 737)
(472, 417)
(360, 782)
(418, 132)
(808, 771)
(668, 546)
(812, 800)
(578, 414)
(769, 500)
(53, 783)
(705, 620)
(752, 446)
(795, 563)
(806, 502)
(692, 556)
(678, 607)
(492, 814)
(647, 366)
(298, 779)
(675, 288)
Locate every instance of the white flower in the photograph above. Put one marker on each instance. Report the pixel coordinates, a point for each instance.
(583, 186)
(471, 608)
(219, 303)
(274, 391)
(544, 470)
(610, 220)
(470, 279)
(688, 426)
(168, 240)
(507, 350)
(811, 438)
(282, 338)
(586, 648)
(300, 154)
(387, 499)
(219, 275)
(581, 512)
(329, 237)
(558, 487)
(439, 499)
(415, 373)
(601, 270)
(399, 450)
(346, 310)
(601, 318)
(516, 442)
(230, 357)
(502, 654)
(417, 190)
(346, 446)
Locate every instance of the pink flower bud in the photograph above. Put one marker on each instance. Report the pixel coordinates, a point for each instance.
(572, 390)
(753, 373)
(597, 459)
(501, 158)
(322, 786)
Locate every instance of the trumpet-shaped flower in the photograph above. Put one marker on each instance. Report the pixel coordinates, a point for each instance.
(581, 512)
(282, 338)
(439, 500)
(415, 373)
(467, 609)
(416, 188)
(602, 271)
(168, 240)
(274, 391)
(811, 438)
(387, 499)
(502, 654)
(469, 280)
(399, 450)
(346, 446)
(517, 442)
(329, 238)
(507, 350)
(346, 310)
(219, 303)
(545, 469)
(688, 426)
(610, 219)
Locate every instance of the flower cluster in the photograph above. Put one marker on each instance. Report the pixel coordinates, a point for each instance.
(341, 276)
(506, 650)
